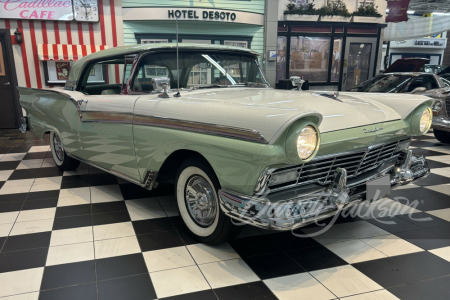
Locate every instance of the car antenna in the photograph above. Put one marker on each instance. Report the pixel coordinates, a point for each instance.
(178, 68)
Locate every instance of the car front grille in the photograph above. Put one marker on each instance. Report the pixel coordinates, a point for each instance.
(321, 169)
(447, 106)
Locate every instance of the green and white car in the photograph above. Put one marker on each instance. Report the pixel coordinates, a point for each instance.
(236, 150)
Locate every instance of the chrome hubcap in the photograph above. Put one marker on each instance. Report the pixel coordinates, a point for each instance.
(59, 151)
(201, 201)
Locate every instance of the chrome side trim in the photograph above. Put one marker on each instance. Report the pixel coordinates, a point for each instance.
(149, 181)
(206, 128)
(111, 117)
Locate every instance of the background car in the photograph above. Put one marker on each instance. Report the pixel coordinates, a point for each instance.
(435, 69)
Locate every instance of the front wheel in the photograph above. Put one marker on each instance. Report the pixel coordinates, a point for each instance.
(62, 160)
(196, 191)
(442, 136)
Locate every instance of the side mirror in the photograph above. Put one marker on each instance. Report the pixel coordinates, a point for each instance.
(418, 90)
(297, 82)
(161, 84)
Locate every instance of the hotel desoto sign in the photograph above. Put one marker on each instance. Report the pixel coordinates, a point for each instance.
(205, 14)
(36, 9)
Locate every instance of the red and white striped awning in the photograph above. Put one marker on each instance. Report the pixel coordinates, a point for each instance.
(66, 52)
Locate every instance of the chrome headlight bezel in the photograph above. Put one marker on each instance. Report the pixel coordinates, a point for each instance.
(437, 106)
(307, 142)
(425, 120)
(292, 141)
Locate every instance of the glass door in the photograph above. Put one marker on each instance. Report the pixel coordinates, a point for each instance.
(359, 61)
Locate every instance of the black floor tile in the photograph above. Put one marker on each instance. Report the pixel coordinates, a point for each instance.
(186, 237)
(273, 265)
(254, 290)
(443, 282)
(81, 178)
(25, 259)
(287, 241)
(72, 222)
(433, 179)
(393, 224)
(35, 155)
(73, 184)
(77, 292)
(202, 295)
(137, 287)
(24, 174)
(254, 245)
(98, 208)
(177, 222)
(27, 241)
(19, 150)
(111, 217)
(43, 195)
(121, 266)
(152, 225)
(68, 274)
(50, 172)
(159, 240)
(436, 164)
(38, 204)
(420, 291)
(425, 238)
(387, 272)
(13, 197)
(9, 165)
(73, 210)
(425, 264)
(102, 179)
(424, 220)
(2, 241)
(132, 191)
(10, 206)
(316, 258)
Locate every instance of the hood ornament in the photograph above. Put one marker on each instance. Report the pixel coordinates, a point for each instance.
(297, 82)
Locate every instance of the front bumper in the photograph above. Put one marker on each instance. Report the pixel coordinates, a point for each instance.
(441, 123)
(301, 206)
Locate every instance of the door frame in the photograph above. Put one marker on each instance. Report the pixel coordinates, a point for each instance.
(373, 57)
(11, 68)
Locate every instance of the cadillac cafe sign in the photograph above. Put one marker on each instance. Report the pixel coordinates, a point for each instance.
(397, 11)
(36, 9)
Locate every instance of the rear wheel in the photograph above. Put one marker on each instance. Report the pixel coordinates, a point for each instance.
(62, 160)
(442, 136)
(196, 191)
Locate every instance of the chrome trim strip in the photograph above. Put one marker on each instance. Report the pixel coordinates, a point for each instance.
(111, 117)
(149, 181)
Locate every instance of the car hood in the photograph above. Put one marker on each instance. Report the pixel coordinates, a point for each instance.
(271, 111)
(407, 65)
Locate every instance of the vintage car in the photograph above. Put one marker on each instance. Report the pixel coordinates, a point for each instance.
(203, 118)
(402, 77)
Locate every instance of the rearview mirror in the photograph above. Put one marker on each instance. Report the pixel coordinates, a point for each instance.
(418, 90)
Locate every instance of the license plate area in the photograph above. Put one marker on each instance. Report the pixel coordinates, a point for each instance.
(378, 188)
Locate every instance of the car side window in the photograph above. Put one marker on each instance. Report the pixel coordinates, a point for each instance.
(428, 82)
(142, 82)
(445, 81)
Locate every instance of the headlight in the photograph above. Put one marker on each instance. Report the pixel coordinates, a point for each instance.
(437, 106)
(307, 142)
(425, 120)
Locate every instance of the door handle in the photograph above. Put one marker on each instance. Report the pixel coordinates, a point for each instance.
(7, 83)
(80, 102)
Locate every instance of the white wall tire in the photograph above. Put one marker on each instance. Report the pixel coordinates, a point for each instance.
(60, 157)
(216, 231)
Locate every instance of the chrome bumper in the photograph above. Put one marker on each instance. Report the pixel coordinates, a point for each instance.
(289, 213)
(441, 123)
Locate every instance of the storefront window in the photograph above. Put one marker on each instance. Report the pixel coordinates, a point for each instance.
(242, 44)
(309, 58)
(281, 58)
(336, 59)
(358, 64)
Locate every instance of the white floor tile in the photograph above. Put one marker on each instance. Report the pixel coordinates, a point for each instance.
(391, 245)
(203, 254)
(83, 191)
(355, 251)
(14, 189)
(13, 157)
(362, 229)
(70, 253)
(116, 247)
(27, 296)
(167, 200)
(8, 217)
(330, 236)
(226, 273)
(145, 214)
(32, 227)
(108, 193)
(74, 200)
(139, 204)
(48, 163)
(46, 184)
(182, 281)
(377, 295)
(111, 231)
(441, 213)
(39, 149)
(298, 287)
(71, 236)
(442, 252)
(19, 182)
(170, 258)
(30, 164)
(19, 282)
(345, 281)
(383, 208)
(36, 214)
(5, 229)
(4, 175)
(441, 188)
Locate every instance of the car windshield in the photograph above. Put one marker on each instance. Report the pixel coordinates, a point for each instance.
(199, 69)
(391, 83)
(433, 68)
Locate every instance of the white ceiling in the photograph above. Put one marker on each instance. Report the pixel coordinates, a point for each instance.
(428, 6)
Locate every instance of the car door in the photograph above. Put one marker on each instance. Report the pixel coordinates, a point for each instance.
(107, 119)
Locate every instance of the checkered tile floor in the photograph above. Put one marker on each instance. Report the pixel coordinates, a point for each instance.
(89, 235)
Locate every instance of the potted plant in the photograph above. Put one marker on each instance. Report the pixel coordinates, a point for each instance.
(367, 13)
(334, 12)
(300, 13)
